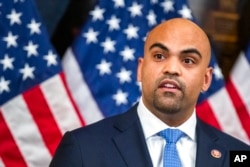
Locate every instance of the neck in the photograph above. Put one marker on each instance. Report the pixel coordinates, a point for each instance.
(173, 119)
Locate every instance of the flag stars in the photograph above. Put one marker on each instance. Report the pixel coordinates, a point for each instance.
(119, 3)
(135, 9)
(217, 72)
(0, 6)
(104, 67)
(124, 76)
(120, 97)
(15, 1)
(185, 12)
(113, 23)
(34, 27)
(91, 36)
(168, 5)
(7, 62)
(50, 58)
(27, 72)
(11, 40)
(153, 1)
(14, 17)
(139, 85)
(97, 13)
(151, 17)
(127, 54)
(31, 49)
(131, 31)
(108, 45)
(4, 85)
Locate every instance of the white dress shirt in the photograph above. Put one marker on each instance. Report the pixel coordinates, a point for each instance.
(186, 146)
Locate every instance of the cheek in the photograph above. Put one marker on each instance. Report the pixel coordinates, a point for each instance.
(148, 78)
(150, 74)
(194, 83)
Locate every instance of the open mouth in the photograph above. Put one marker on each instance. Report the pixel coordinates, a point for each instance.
(169, 85)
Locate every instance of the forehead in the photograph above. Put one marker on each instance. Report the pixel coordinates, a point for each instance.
(179, 34)
(182, 31)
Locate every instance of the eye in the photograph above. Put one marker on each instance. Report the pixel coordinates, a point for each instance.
(189, 61)
(158, 56)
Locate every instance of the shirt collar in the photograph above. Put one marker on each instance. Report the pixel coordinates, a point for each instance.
(152, 125)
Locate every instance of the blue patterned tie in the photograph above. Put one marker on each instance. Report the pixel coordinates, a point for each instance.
(171, 157)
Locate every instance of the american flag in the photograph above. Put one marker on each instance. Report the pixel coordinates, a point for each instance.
(35, 106)
(101, 64)
(228, 108)
(238, 89)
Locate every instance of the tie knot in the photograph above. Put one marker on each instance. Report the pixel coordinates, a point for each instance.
(171, 135)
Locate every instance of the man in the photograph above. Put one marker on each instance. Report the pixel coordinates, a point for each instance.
(173, 71)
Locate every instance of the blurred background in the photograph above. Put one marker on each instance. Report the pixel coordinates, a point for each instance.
(225, 21)
(39, 102)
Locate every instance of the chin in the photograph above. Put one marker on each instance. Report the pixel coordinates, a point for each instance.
(168, 108)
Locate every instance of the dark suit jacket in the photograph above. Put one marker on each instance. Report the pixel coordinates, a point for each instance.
(119, 142)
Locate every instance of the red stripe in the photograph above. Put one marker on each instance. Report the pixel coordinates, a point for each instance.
(239, 106)
(43, 117)
(9, 152)
(71, 99)
(205, 113)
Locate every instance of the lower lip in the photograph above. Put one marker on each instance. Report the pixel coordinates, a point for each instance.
(169, 89)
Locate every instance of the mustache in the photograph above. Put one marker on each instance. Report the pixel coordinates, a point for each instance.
(174, 78)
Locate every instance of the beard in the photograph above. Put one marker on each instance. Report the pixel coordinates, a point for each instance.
(169, 102)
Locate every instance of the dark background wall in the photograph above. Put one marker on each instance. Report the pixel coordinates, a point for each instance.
(51, 12)
(227, 23)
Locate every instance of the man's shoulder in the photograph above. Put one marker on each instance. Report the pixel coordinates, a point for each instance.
(110, 125)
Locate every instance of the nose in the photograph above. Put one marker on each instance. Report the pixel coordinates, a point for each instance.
(172, 66)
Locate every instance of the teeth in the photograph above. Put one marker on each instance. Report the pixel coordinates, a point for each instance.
(169, 85)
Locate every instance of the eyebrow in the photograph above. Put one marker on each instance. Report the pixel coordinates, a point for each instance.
(192, 50)
(186, 51)
(158, 45)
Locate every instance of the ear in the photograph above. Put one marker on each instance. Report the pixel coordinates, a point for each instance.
(139, 69)
(207, 79)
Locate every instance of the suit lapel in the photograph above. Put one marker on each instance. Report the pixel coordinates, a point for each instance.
(132, 145)
(209, 153)
(131, 142)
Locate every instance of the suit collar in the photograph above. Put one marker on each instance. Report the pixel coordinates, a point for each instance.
(209, 153)
(133, 148)
(130, 141)
(152, 125)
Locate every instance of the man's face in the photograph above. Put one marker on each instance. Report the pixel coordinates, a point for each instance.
(174, 69)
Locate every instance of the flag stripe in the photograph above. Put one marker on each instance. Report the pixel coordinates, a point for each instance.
(14, 158)
(80, 92)
(239, 106)
(43, 117)
(69, 96)
(2, 164)
(240, 80)
(63, 114)
(226, 115)
(25, 132)
(205, 112)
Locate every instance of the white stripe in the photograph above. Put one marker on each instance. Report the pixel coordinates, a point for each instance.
(25, 132)
(80, 92)
(1, 163)
(225, 114)
(60, 104)
(241, 80)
